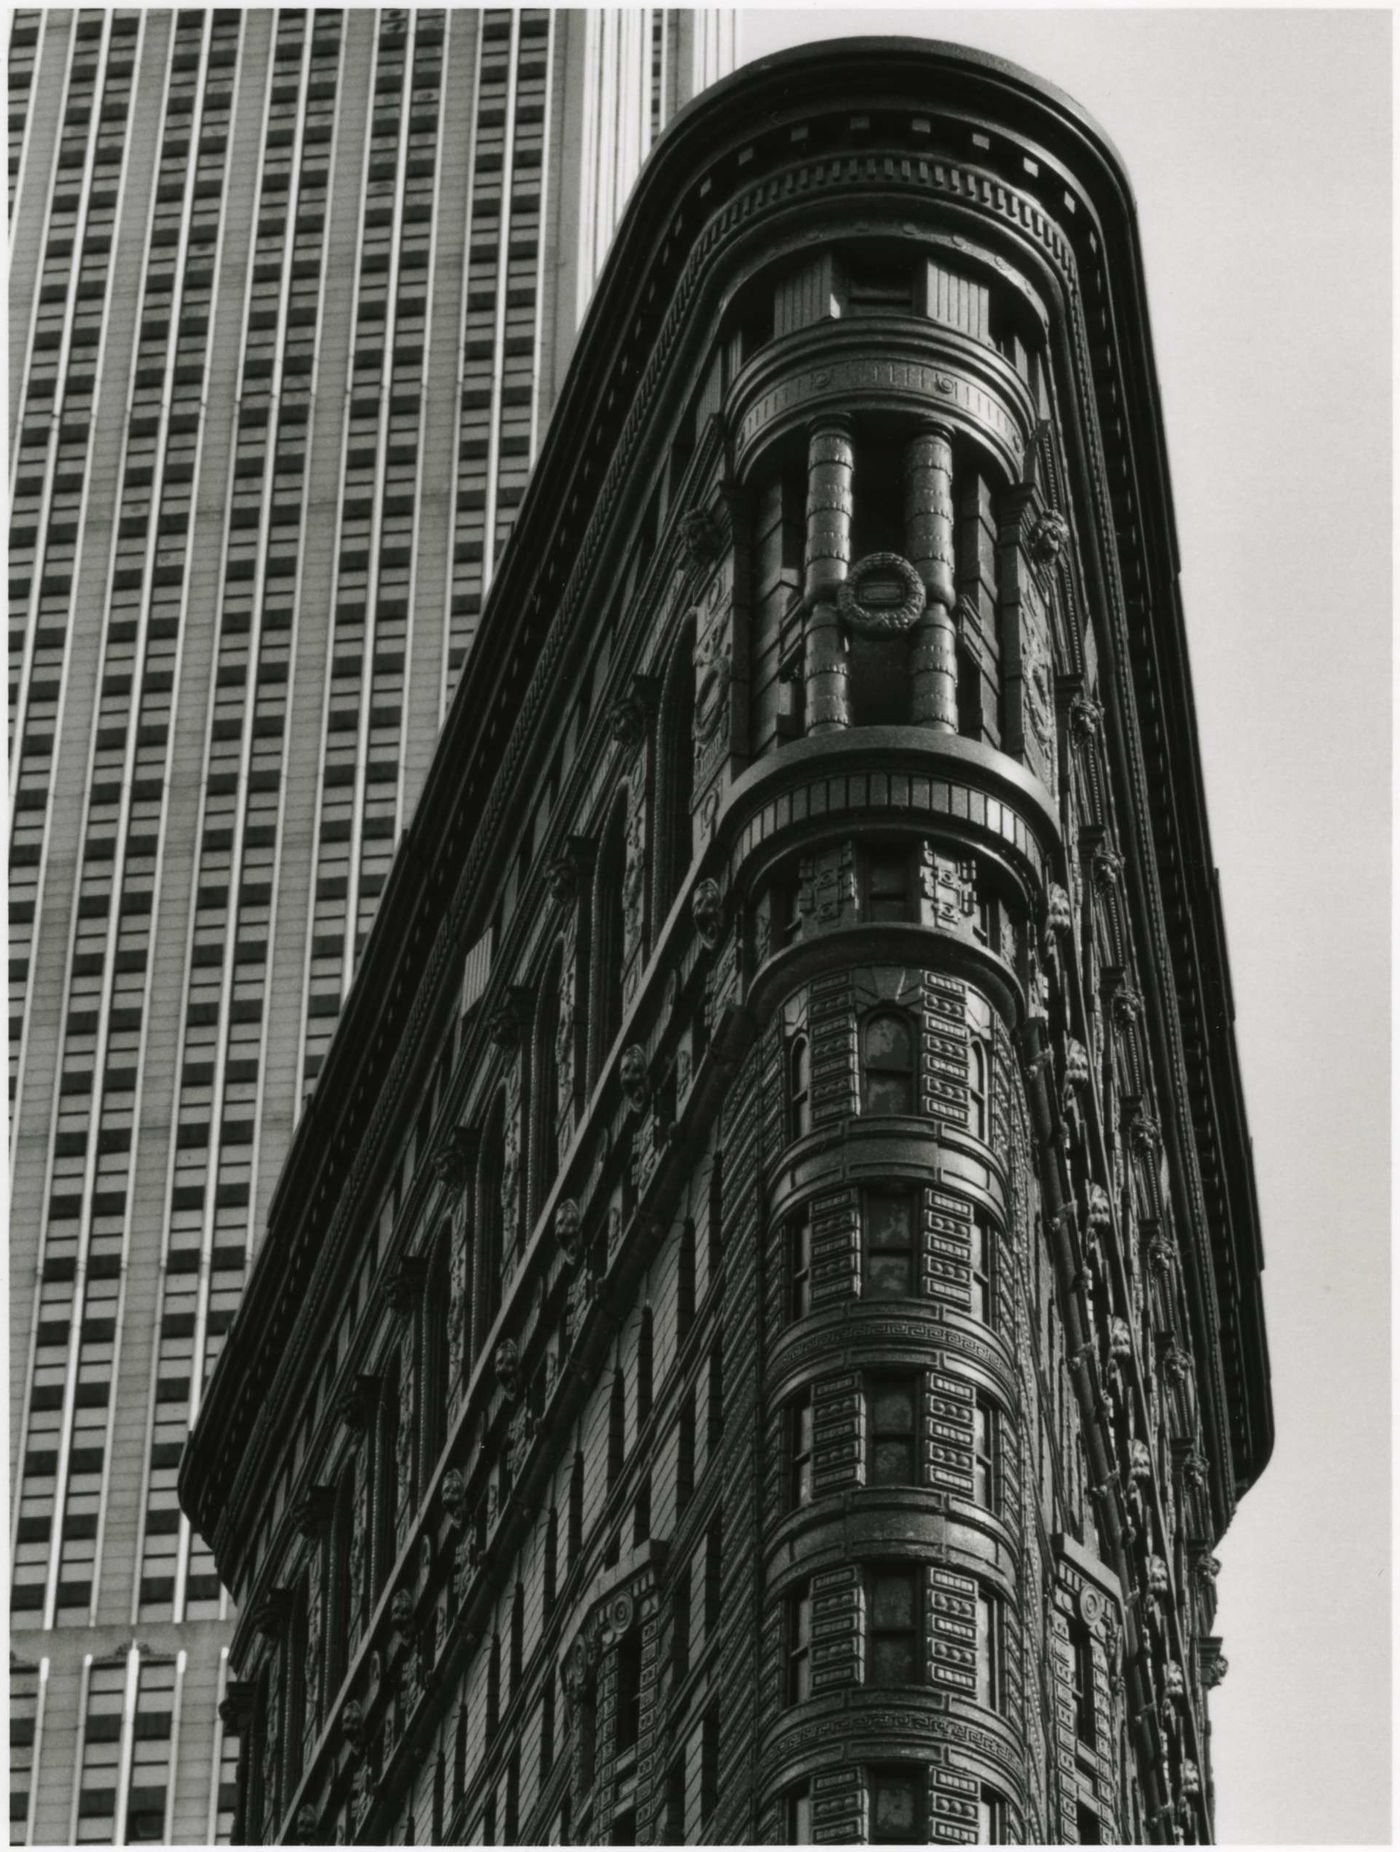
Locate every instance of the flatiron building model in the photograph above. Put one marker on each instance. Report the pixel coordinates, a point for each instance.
(291, 294)
(759, 1332)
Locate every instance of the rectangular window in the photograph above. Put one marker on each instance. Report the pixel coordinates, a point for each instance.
(797, 1815)
(799, 1265)
(894, 1654)
(897, 1811)
(629, 1690)
(1082, 1648)
(797, 1645)
(991, 1662)
(887, 885)
(887, 1221)
(983, 1270)
(986, 1453)
(891, 1426)
(799, 1449)
(991, 1817)
(1090, 1827)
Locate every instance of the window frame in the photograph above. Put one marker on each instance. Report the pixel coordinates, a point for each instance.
(870, 1251)
(797, 1265)
(884, 1069)
(799, 1450)
(874, 1383)
(910, 1631)
(916, 1774)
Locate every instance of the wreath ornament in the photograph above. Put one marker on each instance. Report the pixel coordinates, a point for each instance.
(883, 596)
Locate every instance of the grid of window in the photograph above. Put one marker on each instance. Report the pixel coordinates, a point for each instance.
(497, 430)
(54, 437)
(360, 796)
(150, 1752)
(195, 161)
(24, 1727)
(85, 1222)
(100, 1765)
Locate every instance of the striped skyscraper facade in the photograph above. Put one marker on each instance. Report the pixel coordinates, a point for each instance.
(291, 294)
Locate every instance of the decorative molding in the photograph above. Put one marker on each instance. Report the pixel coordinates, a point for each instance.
(1048, 538)
(631, 713)
(312, 1510)
(632, 1076)
(507, 1366)
(567, 870)
(511, 1017)
(455, 1154)
(707, 911)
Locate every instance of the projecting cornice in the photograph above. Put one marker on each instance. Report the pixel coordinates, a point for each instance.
(903, 129)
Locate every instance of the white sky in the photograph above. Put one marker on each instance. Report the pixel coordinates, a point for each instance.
(1258, 146)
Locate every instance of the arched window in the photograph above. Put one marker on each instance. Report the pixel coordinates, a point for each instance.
(608, 935)
(887, 1062)
(675, 771)
(490, 1220)
(799, 1094)
(549, 1113)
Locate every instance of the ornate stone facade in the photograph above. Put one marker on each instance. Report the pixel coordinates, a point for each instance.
(803, 1312)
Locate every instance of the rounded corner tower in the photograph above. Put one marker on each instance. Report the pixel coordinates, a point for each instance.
(788, 1131)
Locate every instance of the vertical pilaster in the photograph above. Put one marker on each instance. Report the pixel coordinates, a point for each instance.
(928, 529)
(830, 466)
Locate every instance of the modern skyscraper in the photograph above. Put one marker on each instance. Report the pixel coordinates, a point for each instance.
(763, 1332)
(291, 295)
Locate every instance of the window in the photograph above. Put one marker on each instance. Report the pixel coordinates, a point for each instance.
(897, 1806)
(797, 1645)
(549, 1110)
(645, 1345)
(709, 1765)
(887, 1220)
(799, 1087)
(797, 1815)
(983, 1250)
(575, 1509)
(1082, 1649)
(676, 756)
(991, 1817)
(799, 1450)
(891, 1421)
(887, 885)
(977, 1087)
(887, 1059)
(986, 1452)
(1090, 1826)
(991, 1664)
(798, 1269)
(894, 1652)
(629, 1690)
(617, 1429)
(680, 1627)
(491, 1219)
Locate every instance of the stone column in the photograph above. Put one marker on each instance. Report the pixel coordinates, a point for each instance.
(928, 529)
(830, 461)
